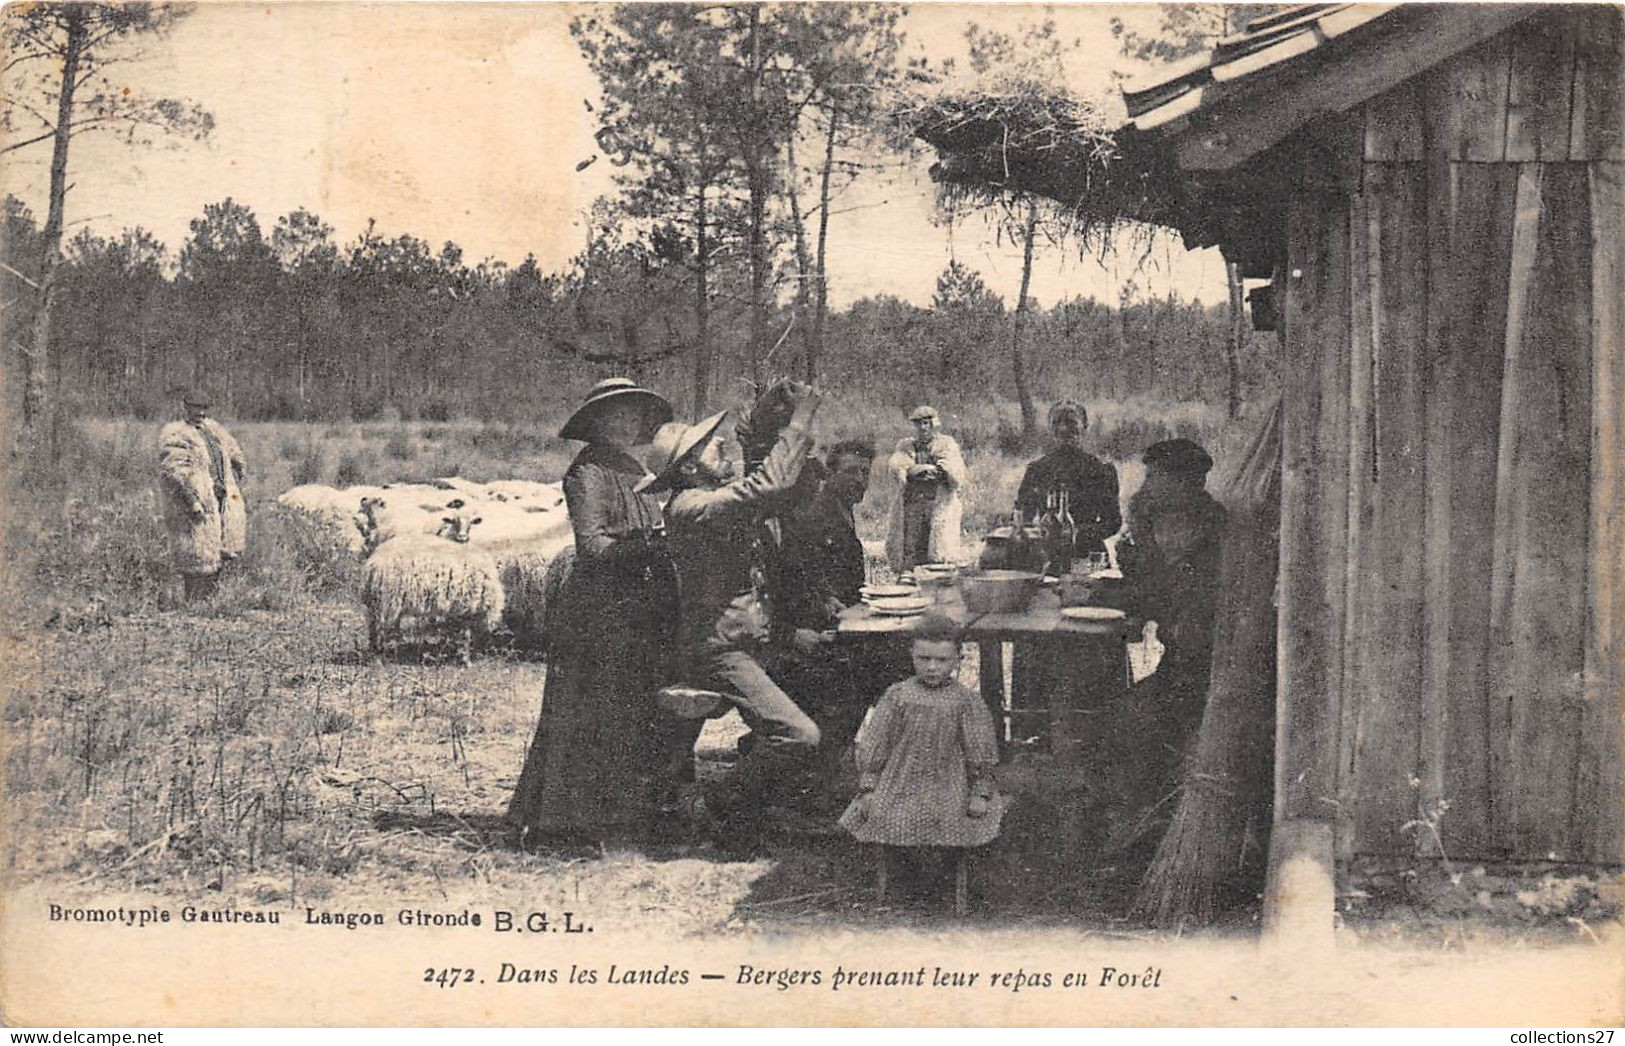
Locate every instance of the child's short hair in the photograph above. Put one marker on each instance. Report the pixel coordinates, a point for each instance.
(937, 627)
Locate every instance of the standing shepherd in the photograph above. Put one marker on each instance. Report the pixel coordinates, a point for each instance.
(200, 471)
(925, 520)
(591, 768)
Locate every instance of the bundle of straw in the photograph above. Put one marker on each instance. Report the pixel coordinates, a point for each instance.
(1004, 137)
(1230, 775)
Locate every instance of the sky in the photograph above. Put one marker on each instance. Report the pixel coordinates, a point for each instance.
(465, 122)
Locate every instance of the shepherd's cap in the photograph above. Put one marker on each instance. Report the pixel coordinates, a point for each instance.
(923, 413)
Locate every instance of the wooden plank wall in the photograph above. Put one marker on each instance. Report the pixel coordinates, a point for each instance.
(1473, 623)
(1314, 471)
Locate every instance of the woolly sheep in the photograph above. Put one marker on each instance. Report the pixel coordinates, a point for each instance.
(419, 589)
(383, 518)
(507, 522)
(466, 487)
(535, 497)
(329, 513)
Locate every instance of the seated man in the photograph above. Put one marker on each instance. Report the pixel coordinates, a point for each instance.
(820, 572)
(714, 526)
(1171, 565)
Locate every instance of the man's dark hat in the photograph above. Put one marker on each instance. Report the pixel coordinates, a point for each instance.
(196, 397)
(616, 390)
(1178, 455)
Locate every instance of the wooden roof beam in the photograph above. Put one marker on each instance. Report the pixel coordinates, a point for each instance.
(1254, 119)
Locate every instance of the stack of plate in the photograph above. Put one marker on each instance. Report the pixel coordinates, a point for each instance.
(898, 606)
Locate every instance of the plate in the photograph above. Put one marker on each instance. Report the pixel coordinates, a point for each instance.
(1092, 614)
(909, 605)
(888, 591)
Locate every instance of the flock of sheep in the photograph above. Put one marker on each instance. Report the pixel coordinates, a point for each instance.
(447, 562)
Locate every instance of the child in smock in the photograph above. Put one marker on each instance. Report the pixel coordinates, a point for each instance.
(926, 756)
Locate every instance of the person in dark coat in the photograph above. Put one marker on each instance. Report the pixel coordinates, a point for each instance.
(591, 767)
(1171, 558)
(1089, 483)
(821, 572)
(1170, 564)
(1092, 500)
(716, 529)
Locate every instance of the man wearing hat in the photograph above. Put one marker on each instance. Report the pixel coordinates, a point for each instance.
(1172, 555)
(926, 517)
(200, 472)
(1171, 564)
(714, 526)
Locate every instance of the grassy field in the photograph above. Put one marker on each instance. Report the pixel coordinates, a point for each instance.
(251, 750)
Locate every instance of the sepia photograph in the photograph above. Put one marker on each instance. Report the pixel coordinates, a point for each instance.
(812, 514)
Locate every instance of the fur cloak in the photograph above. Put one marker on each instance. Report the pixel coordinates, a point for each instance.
(200, 543)
(946, 514)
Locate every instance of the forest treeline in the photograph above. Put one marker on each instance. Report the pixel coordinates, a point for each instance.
(289, 323)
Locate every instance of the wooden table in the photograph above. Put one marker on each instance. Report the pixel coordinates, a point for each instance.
(1075, 647)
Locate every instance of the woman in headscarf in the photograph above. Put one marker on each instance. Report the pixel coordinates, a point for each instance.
(592, 767)
(931, 475)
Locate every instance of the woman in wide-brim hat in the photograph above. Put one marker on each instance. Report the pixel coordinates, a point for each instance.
(614, 396)
(590, 768)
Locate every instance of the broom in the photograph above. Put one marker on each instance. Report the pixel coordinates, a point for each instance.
(1230, 773)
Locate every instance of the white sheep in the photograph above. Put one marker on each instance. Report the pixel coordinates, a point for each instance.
(419, 589)
(328, 513)
(535, 497)
(398, 514)
(465, 487)
(510, 522)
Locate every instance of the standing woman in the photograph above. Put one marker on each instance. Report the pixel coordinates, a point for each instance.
(931, 473)
(1089, 483)
(590, 769)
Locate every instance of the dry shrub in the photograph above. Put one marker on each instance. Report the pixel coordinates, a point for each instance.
(401, 446)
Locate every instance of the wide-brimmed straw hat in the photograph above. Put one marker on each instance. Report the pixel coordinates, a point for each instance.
(674, 446)
(656, 410)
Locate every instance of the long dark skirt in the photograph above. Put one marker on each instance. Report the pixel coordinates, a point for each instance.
(593, 764)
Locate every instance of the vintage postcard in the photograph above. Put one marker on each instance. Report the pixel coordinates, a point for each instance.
(812, 514)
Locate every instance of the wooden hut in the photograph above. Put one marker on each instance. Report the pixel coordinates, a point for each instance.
(1435, 194)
